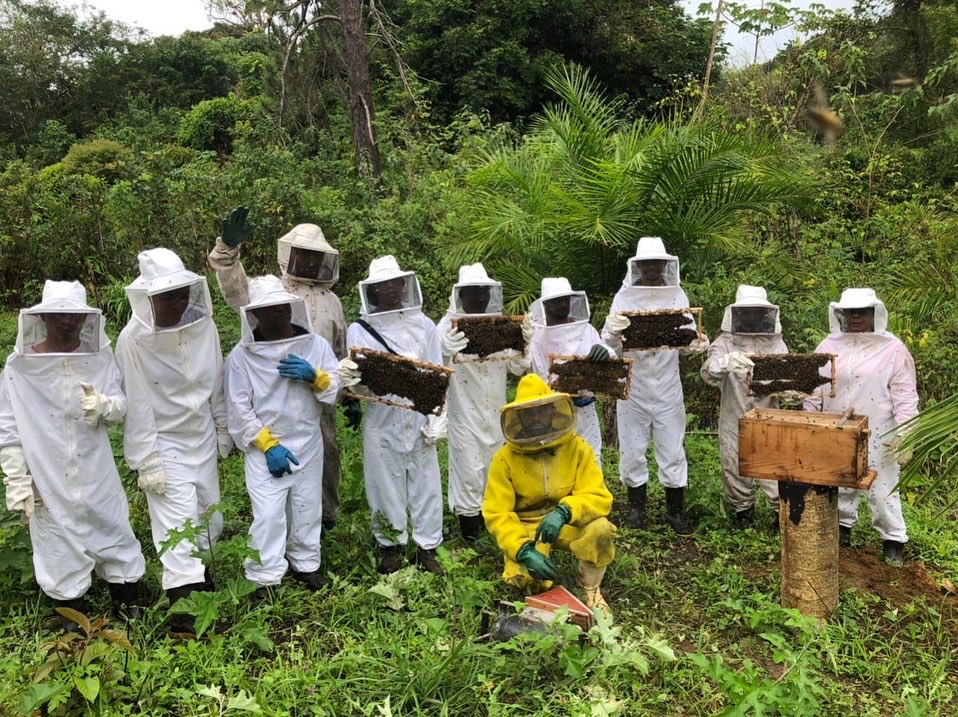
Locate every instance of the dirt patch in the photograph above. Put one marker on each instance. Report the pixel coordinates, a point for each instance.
(659, 330)
(490, 335)
(864, 570)
(423, 385)
(787, 372)
(607, 378)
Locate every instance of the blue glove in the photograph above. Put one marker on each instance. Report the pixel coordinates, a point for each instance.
(538, 565)
(548, 529)
(598, 353)
(353, 410)
(583, 402)
(278, 459)
(297, 368)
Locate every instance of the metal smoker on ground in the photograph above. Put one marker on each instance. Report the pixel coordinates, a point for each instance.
(811, 455)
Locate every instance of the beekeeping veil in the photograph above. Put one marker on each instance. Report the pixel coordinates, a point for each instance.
(304, 255)
(382, 270)
(857, 299)
(165, 296)
(538, 417)
(473, 282)
(266, 291)
(752, 313)
(63, 302)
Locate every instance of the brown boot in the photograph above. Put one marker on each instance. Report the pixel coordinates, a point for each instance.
(426, 560)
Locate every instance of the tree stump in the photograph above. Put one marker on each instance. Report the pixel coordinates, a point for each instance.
(808, 519)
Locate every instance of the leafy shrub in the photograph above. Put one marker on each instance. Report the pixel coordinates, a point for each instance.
(211, 124)
(103, 158)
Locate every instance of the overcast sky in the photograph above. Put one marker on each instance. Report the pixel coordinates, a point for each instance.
(172, 17)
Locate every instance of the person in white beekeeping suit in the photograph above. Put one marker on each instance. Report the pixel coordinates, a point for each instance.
(560, 317)
(59, 393)
(169, 356)
(477, 390)
(278, 378)
(655, 408)
(309, 268)
(400, 464)
(874, 377)
(750, 326)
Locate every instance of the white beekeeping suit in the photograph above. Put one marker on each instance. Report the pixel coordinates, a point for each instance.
(312, 281)
(172, 371)
(875, 377)
(267, 411)
(574, 337)
(655, 409)
(57, 399)
(750, 326)
(477, 390)
(401, 468)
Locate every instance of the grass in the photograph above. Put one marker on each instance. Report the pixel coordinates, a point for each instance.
(404, 645)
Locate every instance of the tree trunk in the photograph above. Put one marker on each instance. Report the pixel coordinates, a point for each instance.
(360, 90)
(809, 527)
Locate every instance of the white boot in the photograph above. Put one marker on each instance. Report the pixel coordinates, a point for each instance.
(590, 579)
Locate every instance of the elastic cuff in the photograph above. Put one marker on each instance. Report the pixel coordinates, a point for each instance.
(566, 511)
(322, 381)
(264, 440)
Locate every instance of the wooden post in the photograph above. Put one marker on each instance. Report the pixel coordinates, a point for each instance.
(808, 518)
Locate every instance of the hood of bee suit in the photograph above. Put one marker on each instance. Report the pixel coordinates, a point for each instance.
(475, 275)
(311, 238)
(162, 270)
(265, 291)
(752, 297)
(61, 297)
(862, 298)
(532, 394)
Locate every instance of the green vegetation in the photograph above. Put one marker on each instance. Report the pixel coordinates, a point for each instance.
(506, 133)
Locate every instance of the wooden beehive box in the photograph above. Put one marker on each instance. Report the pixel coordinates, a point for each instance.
(806, 447)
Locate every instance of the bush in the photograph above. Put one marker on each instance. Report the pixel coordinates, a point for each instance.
(101, 158)
(211, 124)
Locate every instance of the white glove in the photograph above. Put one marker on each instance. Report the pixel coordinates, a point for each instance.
(224, 442)
(903, 456)
(95, 405)
(435, 429)
(453, 342)
(152, 476)
(19, 482)
(616, 323)
(735, 362)
(349, 374)
(699, 345)
(528, 329)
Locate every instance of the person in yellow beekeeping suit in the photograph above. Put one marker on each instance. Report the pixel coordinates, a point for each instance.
(545, 491)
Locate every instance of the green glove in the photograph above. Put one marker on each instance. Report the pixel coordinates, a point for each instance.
(235, 229)
(548, 529)
(538, 565)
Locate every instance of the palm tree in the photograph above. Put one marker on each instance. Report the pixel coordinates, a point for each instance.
(572, 197)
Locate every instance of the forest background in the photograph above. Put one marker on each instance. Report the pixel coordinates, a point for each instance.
(542, 137)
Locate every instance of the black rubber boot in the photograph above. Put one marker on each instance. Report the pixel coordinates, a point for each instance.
(314, 581)
(181, 624)
(127, 600)
(844, 537)
(637, 500)
(67, 624)
(470, 526)
(208, 584)
(743, 518)
(675, 511)
(391, 558)
(426, 560)
(893, 552)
